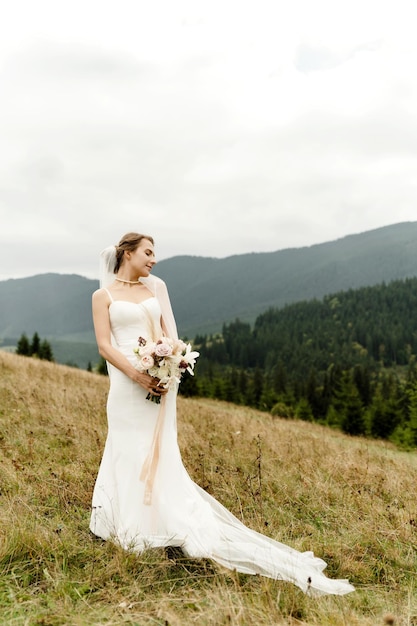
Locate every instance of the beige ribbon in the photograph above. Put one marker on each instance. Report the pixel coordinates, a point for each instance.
(150, 465)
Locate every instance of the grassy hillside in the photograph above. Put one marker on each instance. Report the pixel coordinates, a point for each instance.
(352, 501)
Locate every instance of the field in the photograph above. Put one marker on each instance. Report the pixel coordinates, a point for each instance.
(352, 501)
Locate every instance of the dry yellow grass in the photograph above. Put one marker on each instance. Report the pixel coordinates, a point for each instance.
(352, 501)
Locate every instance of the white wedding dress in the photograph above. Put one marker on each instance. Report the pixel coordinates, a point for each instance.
(144, 497)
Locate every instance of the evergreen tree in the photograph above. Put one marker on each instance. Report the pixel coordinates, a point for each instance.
(333, 417)
(303, 410)
(102, 367)
(279, 377)
(313, 395)
(188, 386)
(412, 424)
(242, 383)
(38, 348)
(353, 419)
(218, 388)
(230, 389)
(35, 346)
(362, 380)
(45, 351)
(23, 346)
(269, 396)
(238, 341)
(384, 415)
(325, 395)
(257, 386)
(351, 407)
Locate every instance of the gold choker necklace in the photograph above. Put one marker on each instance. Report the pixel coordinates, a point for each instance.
(129, 282)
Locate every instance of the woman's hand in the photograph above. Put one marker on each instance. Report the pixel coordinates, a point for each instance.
(150, 384)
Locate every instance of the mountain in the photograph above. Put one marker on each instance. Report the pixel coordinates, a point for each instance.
(54, 305)
(206, 292)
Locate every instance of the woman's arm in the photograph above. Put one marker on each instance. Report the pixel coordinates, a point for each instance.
(101, 320)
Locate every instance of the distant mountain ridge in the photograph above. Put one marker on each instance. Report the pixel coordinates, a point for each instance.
(54, 305)
(207, 292)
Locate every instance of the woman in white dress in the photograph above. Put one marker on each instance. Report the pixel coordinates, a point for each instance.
(143, 496)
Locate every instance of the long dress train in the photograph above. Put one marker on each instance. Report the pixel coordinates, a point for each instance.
(144, 497)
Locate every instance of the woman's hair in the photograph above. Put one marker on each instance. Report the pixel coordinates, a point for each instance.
(128, 243)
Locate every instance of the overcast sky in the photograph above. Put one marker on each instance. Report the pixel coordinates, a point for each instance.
(219, 127)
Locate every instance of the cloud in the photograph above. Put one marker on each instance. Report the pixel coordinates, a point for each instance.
(218, 129)
(312, 58)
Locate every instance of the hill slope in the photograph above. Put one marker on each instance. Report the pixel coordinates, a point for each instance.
(54, 305)
(207, 292)
(350, 500)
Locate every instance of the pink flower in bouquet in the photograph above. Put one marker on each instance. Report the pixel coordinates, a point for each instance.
(146, 361)
(163, 349)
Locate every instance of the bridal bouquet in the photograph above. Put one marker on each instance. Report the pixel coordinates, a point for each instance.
(166, 359)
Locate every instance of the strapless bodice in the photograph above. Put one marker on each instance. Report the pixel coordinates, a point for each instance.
(130, 320)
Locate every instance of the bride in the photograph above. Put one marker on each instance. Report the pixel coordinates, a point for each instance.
(143, 496)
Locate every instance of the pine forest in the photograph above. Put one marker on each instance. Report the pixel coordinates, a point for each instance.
(348, 361)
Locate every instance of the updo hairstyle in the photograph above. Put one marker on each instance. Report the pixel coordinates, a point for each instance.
(128, 243)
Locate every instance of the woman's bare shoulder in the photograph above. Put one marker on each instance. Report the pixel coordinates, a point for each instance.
(101, 295)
